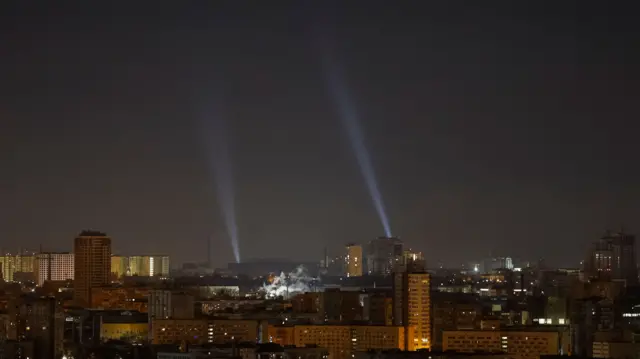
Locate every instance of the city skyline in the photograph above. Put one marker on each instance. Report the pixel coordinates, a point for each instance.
(365, 253)
(488, 129)
(319, 180)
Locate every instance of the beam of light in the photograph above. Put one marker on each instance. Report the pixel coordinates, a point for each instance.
(350, 120)
(216, 136)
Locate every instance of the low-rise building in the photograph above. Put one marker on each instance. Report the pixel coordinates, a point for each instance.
(202, 331)
(120, 298)
(128, 326)
(518, 343)
(342, 341)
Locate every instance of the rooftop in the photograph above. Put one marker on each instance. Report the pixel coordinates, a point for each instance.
(91, 233)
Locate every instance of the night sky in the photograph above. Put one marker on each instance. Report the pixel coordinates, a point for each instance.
(509, 127)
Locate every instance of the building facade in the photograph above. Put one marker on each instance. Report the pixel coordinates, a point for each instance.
(52, 266)
(383, 255)
(203, 331)
(167, 304)
(412, 306)
(12, 264)
(411, 261)
(119, 266)
(353, 260)
(38, 319)
(92, 264)
(520, 343)
(125, 298)
(613, 257)
(342, 341)
(143, 265)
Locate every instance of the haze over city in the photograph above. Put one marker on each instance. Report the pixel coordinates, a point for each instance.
(489, 129)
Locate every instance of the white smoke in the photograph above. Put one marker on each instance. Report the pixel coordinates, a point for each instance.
(286, 285)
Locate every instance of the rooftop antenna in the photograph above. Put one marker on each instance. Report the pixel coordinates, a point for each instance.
(326, 258)
(209, 252)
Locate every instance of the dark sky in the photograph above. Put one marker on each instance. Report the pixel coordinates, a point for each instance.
(509, 127)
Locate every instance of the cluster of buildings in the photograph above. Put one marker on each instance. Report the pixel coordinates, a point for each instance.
(382, 302)
(60, 266)
(380, 256)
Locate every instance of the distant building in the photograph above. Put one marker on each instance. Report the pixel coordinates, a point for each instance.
(12, 264)
(412, 306)
(613, 257)
(119, 266)
(383, 254)
(262, 266)
(52, 266)
(378, 308)
(149, 266)
(140, 265)
(353, 260)
(454, 311)
(166, 304)
(92, 264)
(494, 264)
(412, 261)
(340, 306)
(308, 303)
(336, 266)
(124, 298)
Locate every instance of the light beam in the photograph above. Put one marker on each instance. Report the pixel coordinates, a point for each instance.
(216, 137)
(350, 120)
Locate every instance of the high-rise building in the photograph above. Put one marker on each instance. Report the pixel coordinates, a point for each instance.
(494, 264)
(383, 254)
(92, 264)
(52, 266)
(613, 257)
(353, 260)
(412, 306)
